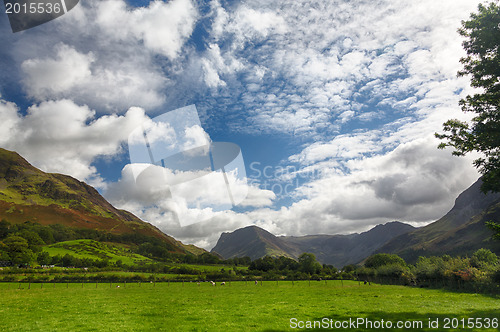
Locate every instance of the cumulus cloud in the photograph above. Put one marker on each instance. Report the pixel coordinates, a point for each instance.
(414, 183)
(358, 88)
(61, 136)
(163, 27)
(47, 76)
(184, 197)
(115, 57)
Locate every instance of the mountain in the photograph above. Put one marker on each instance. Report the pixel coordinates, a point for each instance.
(28, 194)
(341, 250)
(338, 250)
(254, 242)
(460, 232)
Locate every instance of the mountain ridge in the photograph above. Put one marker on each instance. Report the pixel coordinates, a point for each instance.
(236, 244)
(461, 231)
(29, 194)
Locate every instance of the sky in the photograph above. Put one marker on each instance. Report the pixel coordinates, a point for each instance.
(334, 105)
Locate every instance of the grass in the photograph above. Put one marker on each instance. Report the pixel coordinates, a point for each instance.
(94, 249)
(238, 306)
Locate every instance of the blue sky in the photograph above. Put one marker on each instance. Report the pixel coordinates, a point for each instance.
(345, 96)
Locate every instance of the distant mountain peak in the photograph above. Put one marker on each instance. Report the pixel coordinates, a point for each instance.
(338, 250)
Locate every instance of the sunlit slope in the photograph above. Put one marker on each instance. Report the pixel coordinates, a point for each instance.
(28, 194)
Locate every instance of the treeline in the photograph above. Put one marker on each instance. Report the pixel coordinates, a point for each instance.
(306, 267)
(479, 273)
(21, 244)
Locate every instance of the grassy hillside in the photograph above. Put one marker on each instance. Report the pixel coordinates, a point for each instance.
(28, 194)
(96, 250)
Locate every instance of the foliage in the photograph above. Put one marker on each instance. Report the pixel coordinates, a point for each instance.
(17, 249)
(305, 268)
(477, 273)
(308, 263)
(38, 235)
(378, 260)
(482, 64)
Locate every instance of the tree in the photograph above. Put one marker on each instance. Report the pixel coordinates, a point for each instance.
(482, 63)
(44, 258)
(484, 256)
(308, 263)
(18, 250)
(379, 260)
(4, 228)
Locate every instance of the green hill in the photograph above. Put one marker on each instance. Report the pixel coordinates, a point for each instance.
(96, 250)
(28, 194)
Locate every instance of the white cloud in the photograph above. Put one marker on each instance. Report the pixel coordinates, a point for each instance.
(163, 27)
(193, 196)
(360, 88)
(61, 136)
(414, 183)
(47, 76)
(327, 53)
(114, 57)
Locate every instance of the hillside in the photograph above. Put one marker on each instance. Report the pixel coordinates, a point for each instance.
(254, 242)
(341, 250)
(460, 232)
(338, 250)
(95, 250)
(28, 194)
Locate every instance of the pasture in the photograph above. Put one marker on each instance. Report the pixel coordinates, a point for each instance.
(237, 306)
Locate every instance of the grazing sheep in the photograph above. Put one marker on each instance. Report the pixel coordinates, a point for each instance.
(223, 283)
(212, 283)
(256, 282)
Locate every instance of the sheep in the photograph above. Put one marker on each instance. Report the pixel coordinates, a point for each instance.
(223, 283)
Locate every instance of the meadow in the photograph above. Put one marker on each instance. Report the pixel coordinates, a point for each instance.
(237, 306)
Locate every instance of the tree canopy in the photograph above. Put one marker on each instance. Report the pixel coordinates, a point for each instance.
(482, 133)
(482, 65)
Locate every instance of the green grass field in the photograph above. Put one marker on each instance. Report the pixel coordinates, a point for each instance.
(238, 306)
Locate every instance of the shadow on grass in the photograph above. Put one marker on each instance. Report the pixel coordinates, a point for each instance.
(415, 321)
